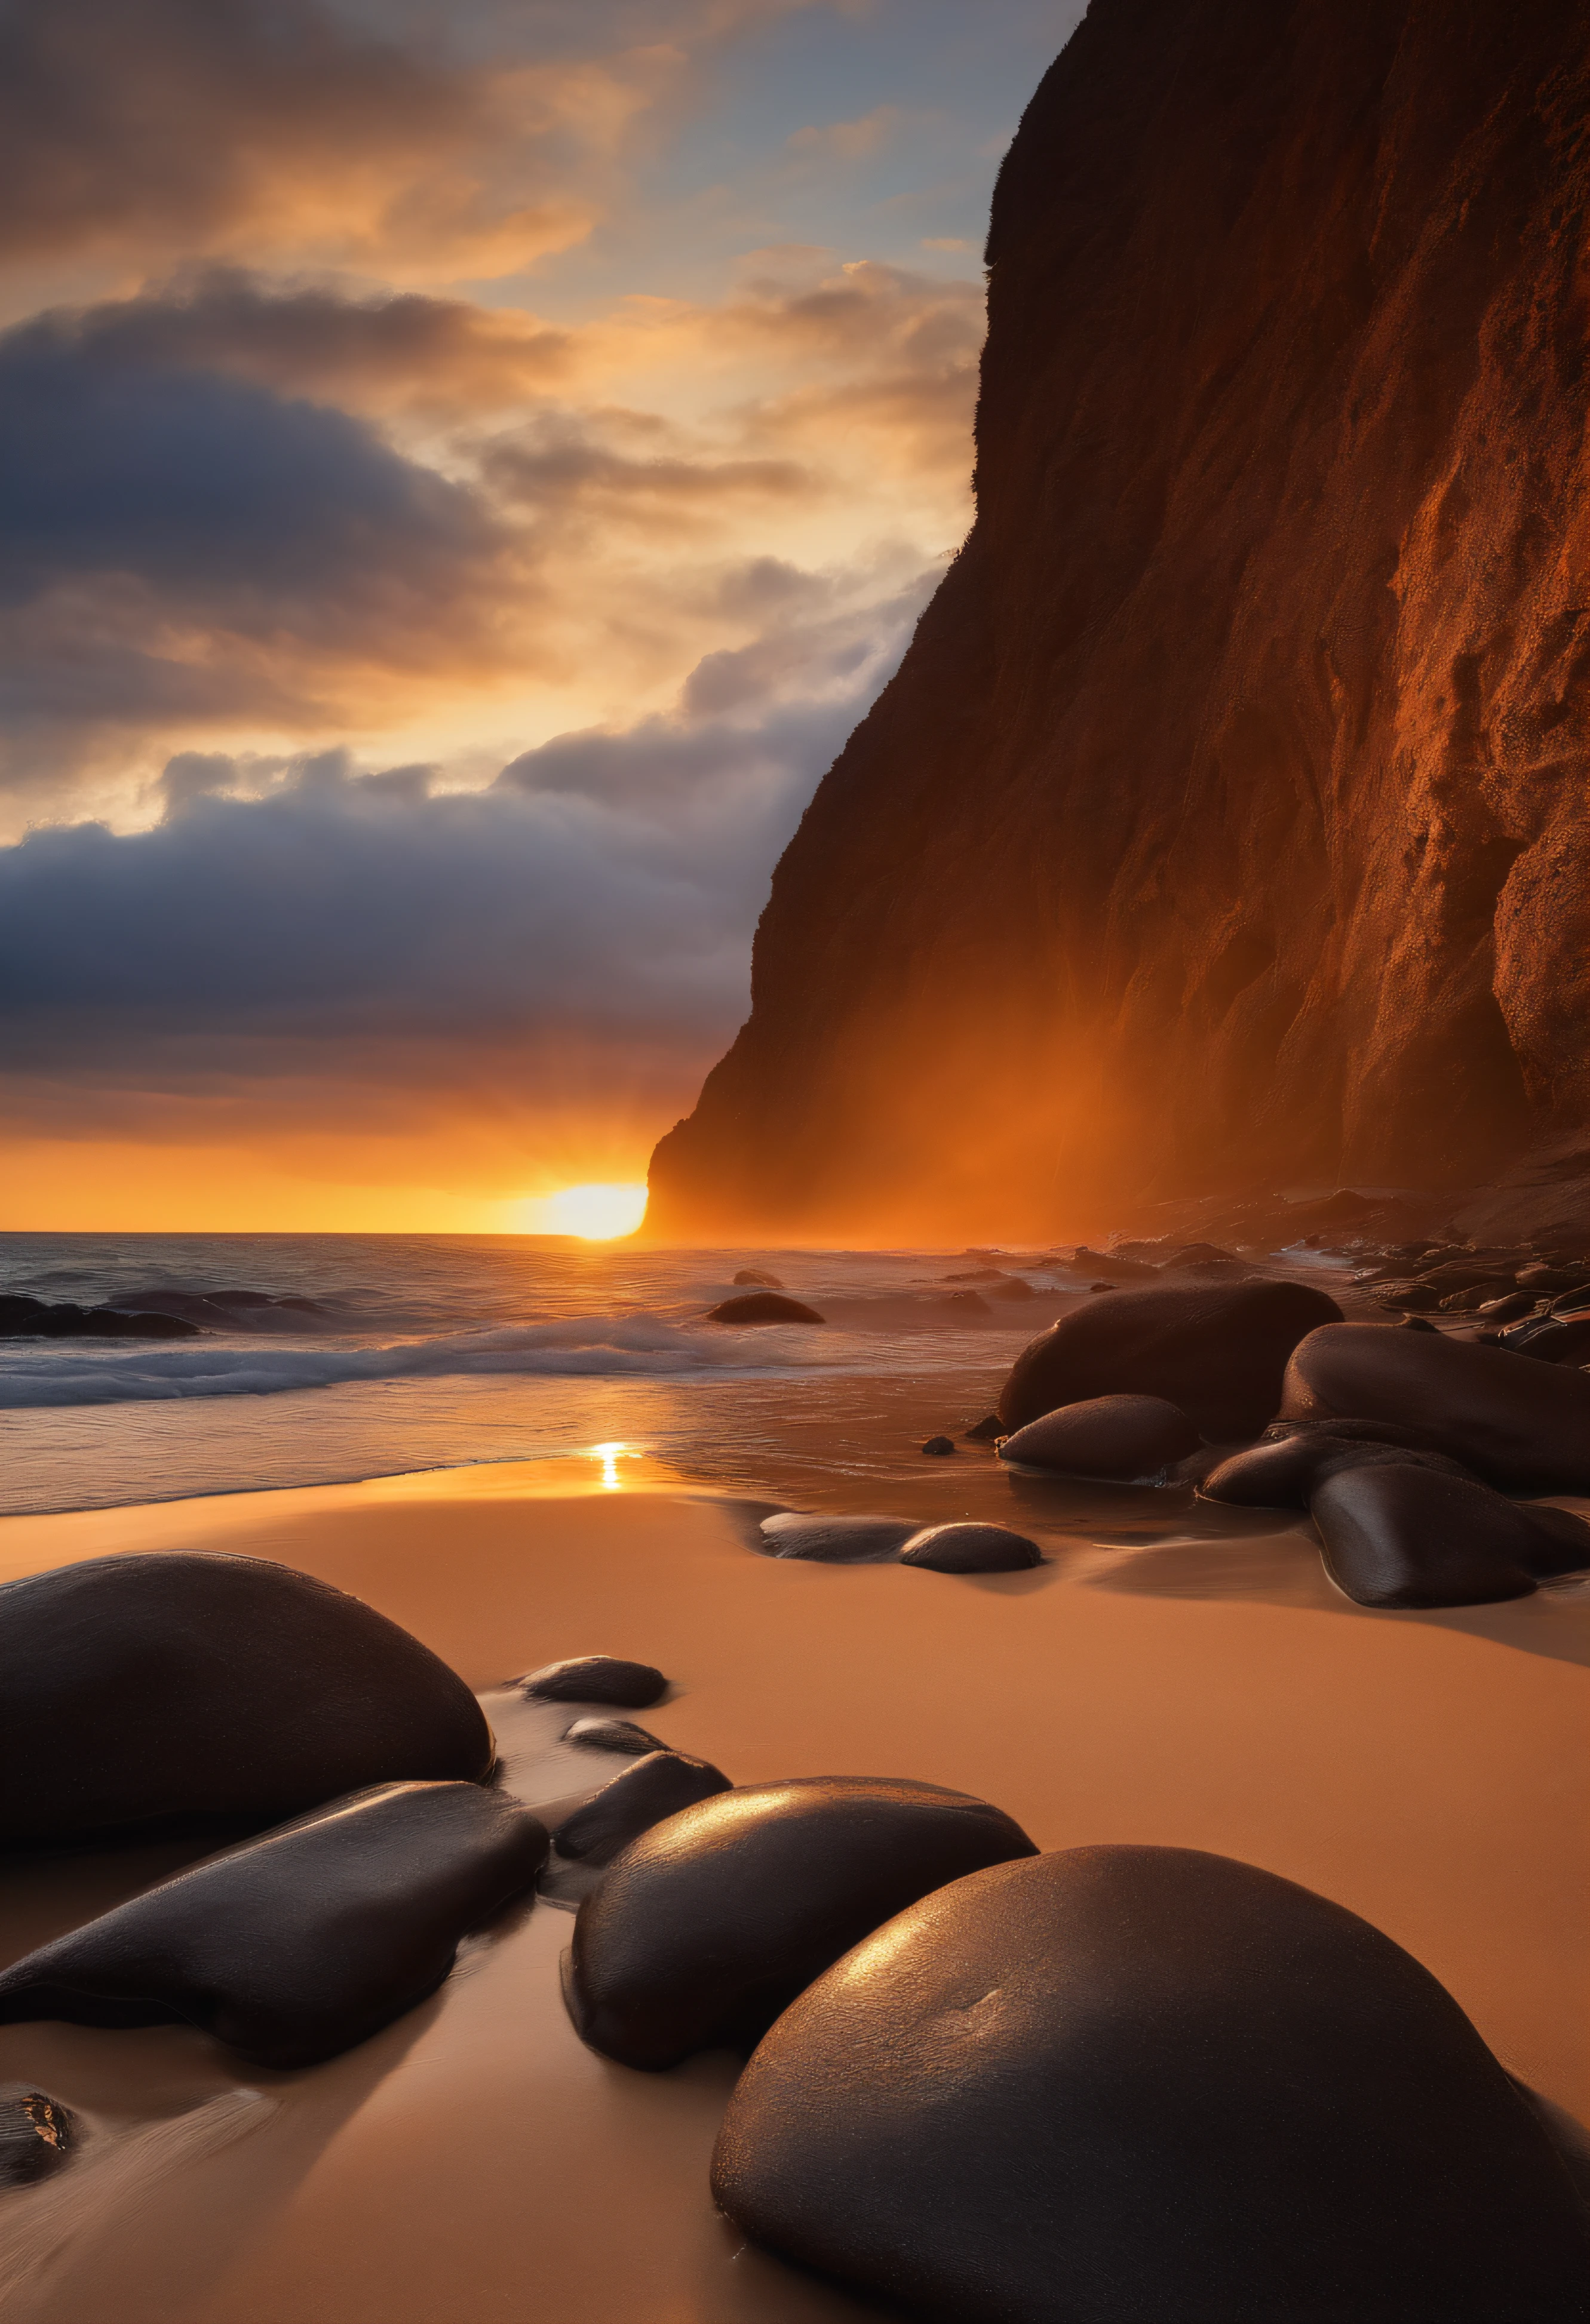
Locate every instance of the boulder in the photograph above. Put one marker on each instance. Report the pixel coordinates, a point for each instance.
(1123, 1436)
(299, 1943)
(754, 1275)
(23, 1318)
(1394, 1535)
(649, 1790)
(596, 1678)
(710, 1924)
(150, 1689)
(1523, 1426)
(835, 1541)
(1216, 1350)
(1148, 2086)
(966, 1548)
(763, 1308)
(1282, 1473)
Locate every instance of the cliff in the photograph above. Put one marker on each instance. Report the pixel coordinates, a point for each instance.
(1225, 823)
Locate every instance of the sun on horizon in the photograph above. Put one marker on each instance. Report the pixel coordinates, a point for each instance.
(599, 1213)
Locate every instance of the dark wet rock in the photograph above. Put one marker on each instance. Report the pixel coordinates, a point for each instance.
(835, 1541)
(1558, 1541)
(1216, 1351)
(596, 1678)
(1397, 1535)
(1509, 1308)
(986, 1431)
(763, 1308)
(1148, 2086)
(977, 1275)
(967, 1548)
(151, 1689)
(1110, 1265)
(37, 2134)
(1417, 1324)
(1283, 1475)
(614, 1735)
(1101, 1287)
(1118, 1436)
(710, 1924)
(1525, 1427)
(1552, 1338)
(1014, 1289)
(1200, 1254)
(649, 1790)
(755, 1275)
(303, 1941)
(940, 1444)
(22, 1319)
(1543, 1277)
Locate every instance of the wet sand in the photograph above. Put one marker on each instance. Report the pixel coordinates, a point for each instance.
(475, 2162)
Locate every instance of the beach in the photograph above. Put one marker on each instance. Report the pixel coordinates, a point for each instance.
(1210, 1690)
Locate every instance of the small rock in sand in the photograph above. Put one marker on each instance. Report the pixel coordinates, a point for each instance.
(940, 1444)
(37, 2134)
(1115, 1436)
(614, 1735)
(709, 1924)
(299, 1943)
(596, 1678)
(987, 1431)
(835, 1541)
(763, 1308)
(1138, 2085)
(965, 1548)
(649, 1790)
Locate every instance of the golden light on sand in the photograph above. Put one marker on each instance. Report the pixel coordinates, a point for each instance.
(598, 1211)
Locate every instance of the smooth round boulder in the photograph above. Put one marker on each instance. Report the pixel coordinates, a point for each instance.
(763, 1308)
(1148, 2086)
(159, 1689)
(1216, 1351)
(1525, 1427)
(648, 1790)
(968, 1548)
(303, 1941)
(1122, 1437)
(1394, 1535)
(709, 1924)
(596, 1678)
(1281, 1475)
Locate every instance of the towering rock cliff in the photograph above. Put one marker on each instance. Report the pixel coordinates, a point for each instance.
(1227, 822)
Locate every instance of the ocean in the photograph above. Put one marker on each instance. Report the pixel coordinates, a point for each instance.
(429, 1351)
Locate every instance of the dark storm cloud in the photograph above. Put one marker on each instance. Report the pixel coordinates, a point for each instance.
(377, 353)
(178, 543)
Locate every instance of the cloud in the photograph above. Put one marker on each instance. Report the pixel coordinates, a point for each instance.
(849, 141)
(302, 943)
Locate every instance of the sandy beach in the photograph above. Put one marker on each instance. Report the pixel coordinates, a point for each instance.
(474, 2161)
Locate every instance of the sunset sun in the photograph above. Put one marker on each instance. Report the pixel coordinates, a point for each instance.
(599, 1213)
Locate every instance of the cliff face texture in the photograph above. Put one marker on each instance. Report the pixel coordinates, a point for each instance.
(1227, 822)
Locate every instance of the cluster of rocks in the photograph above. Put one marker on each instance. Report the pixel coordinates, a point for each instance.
(344, 1767)
(153, 1314)
(22, 1318)
(1410, 1451)
(1526, 1298)
(1118, 2082)
(960, 1548)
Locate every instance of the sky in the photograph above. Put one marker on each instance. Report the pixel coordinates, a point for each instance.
(464, 470)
